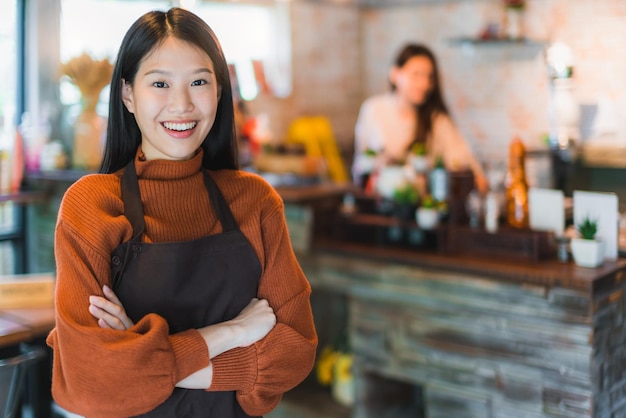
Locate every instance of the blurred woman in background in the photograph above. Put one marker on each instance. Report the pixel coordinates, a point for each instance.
(412, 114)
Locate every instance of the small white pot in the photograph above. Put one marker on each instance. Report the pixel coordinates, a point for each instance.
(366, 163)
(419, 163)
(389, 179)
(587, 252)
(427, 218)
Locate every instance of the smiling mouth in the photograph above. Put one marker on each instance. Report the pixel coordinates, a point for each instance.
(179, 127)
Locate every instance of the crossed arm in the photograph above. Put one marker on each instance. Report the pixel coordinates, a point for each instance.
(253, 323)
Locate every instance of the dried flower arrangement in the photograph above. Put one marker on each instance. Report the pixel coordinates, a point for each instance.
(514, 4)
(89, 75)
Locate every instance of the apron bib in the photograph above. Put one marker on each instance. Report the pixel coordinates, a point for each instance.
(191, 284)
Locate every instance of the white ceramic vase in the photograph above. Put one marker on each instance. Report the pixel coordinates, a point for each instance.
(419, 163)
(587, 252)
(514, 24)
(89, 138)
(427, 218)
(389, 179)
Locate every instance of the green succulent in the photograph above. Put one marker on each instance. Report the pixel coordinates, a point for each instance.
(428, 202)
(406, 194)
(418, 149)
(587, 228)
(369, 152)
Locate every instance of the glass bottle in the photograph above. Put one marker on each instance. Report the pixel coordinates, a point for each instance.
(516, 186)
(439, 181)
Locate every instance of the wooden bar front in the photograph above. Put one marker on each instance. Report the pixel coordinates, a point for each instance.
(451, 336)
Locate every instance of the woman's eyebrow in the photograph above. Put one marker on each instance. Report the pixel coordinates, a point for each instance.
(165, 72)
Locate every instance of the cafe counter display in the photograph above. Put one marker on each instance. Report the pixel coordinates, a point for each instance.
(450, 336)
(455, 333)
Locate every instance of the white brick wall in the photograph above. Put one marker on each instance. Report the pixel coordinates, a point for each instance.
(342, 55)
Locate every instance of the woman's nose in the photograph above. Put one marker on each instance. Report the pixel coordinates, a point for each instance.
(180, 101)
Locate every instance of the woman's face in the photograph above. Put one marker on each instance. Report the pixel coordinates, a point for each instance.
(414, 80)
(174, 100)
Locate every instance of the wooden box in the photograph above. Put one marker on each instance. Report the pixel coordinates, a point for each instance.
(382, 230)
(507, 242)
(27, 291)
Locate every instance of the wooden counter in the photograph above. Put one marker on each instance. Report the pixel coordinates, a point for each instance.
(20, 325)
(549, 273)
(453, 336)
(12, 332)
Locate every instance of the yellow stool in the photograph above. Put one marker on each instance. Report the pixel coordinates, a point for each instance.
(316, 134)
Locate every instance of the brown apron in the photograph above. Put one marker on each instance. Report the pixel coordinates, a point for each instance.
(191, 284)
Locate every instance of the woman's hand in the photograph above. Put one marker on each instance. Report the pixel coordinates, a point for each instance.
(109, 311)
(253, 323)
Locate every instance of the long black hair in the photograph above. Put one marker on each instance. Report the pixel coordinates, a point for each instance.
(434, 103)
(147, 33)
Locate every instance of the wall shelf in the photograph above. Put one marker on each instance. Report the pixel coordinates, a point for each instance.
(24, 197)
(496, 42)
(68, 176)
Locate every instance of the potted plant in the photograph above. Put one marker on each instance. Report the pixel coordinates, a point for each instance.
(334, 369)
(388, 179)
(427, 215)
(405, 198)
(418, 159)
(586, 249)
(366, 165)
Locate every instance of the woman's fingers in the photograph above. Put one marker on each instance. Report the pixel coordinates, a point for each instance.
(110, 295)
(105, 319)
(109, 310)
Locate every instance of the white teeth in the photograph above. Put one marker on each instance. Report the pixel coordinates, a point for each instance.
(179, 126)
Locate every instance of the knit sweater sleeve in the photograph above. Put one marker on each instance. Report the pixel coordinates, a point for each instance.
(262, 372)
(102, 372)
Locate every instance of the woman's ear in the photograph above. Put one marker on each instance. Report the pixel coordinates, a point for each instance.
(219, 92)
(127, 96)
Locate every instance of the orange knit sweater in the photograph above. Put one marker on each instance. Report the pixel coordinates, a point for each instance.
(106, 373)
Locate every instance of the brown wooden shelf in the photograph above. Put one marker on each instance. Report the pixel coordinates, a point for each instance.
(68, 176)
(24, 197)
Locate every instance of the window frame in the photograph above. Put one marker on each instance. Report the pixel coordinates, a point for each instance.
(17, 236)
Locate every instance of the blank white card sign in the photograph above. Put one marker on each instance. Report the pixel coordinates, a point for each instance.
(546, 209)
(602, 207)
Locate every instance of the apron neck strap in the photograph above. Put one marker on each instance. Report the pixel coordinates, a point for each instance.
(219, 203)
(133, 209)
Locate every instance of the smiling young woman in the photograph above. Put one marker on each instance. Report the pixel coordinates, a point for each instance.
(178, 292)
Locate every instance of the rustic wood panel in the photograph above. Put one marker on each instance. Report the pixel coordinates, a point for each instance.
(477, 346)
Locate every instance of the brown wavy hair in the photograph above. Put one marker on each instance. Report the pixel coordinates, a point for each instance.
(434, 103)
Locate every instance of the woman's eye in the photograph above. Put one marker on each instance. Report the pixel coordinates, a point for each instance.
(199, 83)
(159, 84)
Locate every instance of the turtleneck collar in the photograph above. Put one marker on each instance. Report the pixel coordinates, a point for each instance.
(167, 169)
